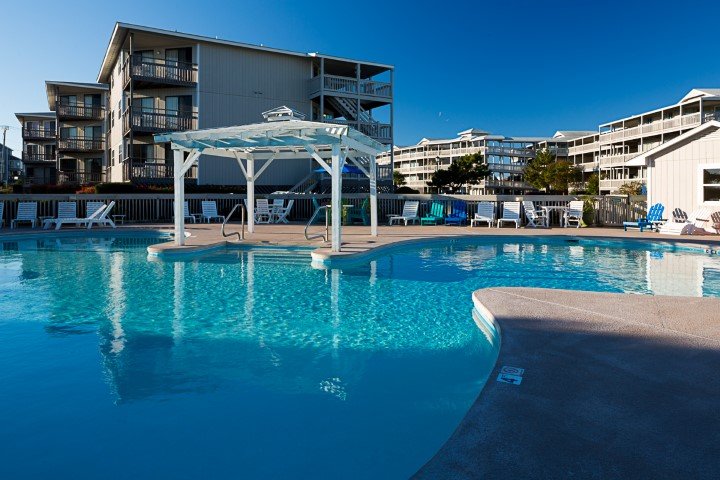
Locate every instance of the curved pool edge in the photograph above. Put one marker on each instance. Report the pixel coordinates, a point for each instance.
(597, 371)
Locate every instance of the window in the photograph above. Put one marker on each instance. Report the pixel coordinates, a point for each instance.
(112, 157)
(711, 184)
(68, 132)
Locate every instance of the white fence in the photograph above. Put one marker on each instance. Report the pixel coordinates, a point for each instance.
(158, 208)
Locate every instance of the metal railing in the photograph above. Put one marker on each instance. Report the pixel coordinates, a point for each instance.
(152, 168)
(38, 134)
(241, 234)
(312, 220)
(350, 85)
(37, 157)
(79, 178)
(81, 144)
(173, 72)
(80, 111)
(158, 208)
(158, 120)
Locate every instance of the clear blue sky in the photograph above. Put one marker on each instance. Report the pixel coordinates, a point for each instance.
(512, 67)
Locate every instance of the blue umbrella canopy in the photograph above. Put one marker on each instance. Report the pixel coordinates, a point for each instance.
(346, 169)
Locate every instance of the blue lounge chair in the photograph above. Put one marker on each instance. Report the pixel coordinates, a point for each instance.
(651, 221)
(458, 216)
(436, 214)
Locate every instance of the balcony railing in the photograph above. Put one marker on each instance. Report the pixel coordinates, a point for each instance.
(38, 134)
(152, 168)
(159, 72)
(350, 86)
(79, 111)
(37, 157)
(494, 183)
(509, 152)
(381, 132)
(505, 167)
(158, 120)
(80, 178)
(81, 144)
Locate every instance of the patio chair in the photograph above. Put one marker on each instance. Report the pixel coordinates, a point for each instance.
(485, 213)
(284, 212)
(92, 207)
(652, 220)
(679, 215)
(574, 213)
(699, 221)
(27, 212)
(209, 211)
(66, 210)
(101, 219)
(96, 212)
(409, 213)
(458, 215)
(262, 211)
(535, 218)
(276, 207)
(193, 217)
(436, 214)
(511, 213)
(360, 213)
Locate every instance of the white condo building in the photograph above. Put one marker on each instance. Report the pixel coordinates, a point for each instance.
(506, 158)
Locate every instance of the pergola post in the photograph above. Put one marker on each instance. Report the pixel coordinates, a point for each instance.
(251, 192)
(373, 197)
(179, 190)
(335, 200)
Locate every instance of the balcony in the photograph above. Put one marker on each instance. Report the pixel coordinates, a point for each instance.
(349, 86)
(382, 132)
(79, 112)
(505, 167)
(617, 183)
(79, 178)
(159, 73)
(152, 168)
(38, 134)
(81, 144)
(37, 157)
(509, 152)
(157, 120)
(494, 183)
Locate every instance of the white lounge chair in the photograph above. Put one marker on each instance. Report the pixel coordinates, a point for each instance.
(409, 213)
(535, 218)
(2, 211)
(96, 212)
(209, 211)
(262, 211)
(574, 213)
(284, 212)
(65, 210)
(92, 207)
(485, 213)
(276, 207)
(699, 221)
(511, 213)
(102, 219)
(27, 212)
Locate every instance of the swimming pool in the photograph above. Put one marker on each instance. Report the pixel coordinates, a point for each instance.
(253, 364)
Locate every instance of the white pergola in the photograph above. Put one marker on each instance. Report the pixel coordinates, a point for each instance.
(282, 137)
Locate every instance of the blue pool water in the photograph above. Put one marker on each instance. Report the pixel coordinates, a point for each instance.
(253, 364)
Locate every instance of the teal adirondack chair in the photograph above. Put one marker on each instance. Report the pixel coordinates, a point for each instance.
(436, 214)
(359, 213)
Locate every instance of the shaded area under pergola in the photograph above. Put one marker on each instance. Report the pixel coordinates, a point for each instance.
(284, 136)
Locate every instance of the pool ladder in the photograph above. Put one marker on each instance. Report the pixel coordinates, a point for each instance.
(315, 214)
(241, 233)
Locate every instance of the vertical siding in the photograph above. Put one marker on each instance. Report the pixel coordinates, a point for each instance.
(235, 86)
(675, 176)
(225, 171)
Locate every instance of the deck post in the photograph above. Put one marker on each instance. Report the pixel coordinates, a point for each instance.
(179, 189)
(335, 201)
(251, 192)
(373, 197)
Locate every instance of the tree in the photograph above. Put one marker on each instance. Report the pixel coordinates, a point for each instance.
(593, 184)
(466, 170)
(398, 178)
(631, 188)
(546, 173)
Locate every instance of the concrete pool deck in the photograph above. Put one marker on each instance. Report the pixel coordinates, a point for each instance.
(615, 386)
(358, 242)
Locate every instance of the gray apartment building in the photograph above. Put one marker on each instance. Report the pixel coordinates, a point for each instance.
(39, 154)
(153, 81)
